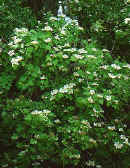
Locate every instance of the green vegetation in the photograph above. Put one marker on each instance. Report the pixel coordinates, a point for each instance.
(64, 87)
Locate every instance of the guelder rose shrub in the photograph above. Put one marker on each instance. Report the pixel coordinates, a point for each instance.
(63, 100)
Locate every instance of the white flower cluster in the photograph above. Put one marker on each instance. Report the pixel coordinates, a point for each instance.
(78, 56)
(21, 30)
(92, 141)
(104, 67)
(114, 76)
(127, 20)
(105, 50)
(118, 145)
(70, 50)
(68, 88)
(82, 51)
(16, 40)
(65, 56)
(111, 128)
(92, 92)
(48, 40)
(90, 163)
(15, 61)
(47, 28)
(117, 67)
(91, 56)
(108, 98)
(76, 1)
(90, 100)
(123, 137)
(43, 112)
(96, 112)
(53, 18)
(42, 77)
(34, 42)
(99, 124)
(11, 52)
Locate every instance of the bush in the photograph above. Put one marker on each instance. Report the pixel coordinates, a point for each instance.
(13, 15)
(106, 21)
(63, 100)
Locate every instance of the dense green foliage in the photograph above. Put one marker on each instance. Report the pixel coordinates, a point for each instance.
(63, 93)
(106, 21)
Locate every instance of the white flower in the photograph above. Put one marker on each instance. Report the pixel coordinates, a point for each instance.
(111, 128)
(57, 121)
(91, 56)
(94, 49)
(97, 124)
(63, 90)
(104, 66)
(120, 129)
(122, 136)
(42, 77)
(65, 56)
(15, 61)
(10, 44)
(11, 52)
(127, 20)
(126, 77)
(98, 166)
(81, 28)
(90, 163)
(22, 30)
(92, 92)
(17, 41)
(34, 42)
(53, 18)
(87, 72)
(78, 56)
(118, 145)
(46, 111)
(108, 98)
(70, 50)
(82, 51)
(76, 74)
(117, 67)
(48, 40)
(56, 49)
(54, 92)
(90, 100)
(92, 140)
(116, 101)
(111, 75)
(95, 84)
(105, 50)
(100, 95)
(80, 80)
(48, 28)
(63, 32)
(127, 66)
(66, 45)
(36, 112)
(76, 1)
